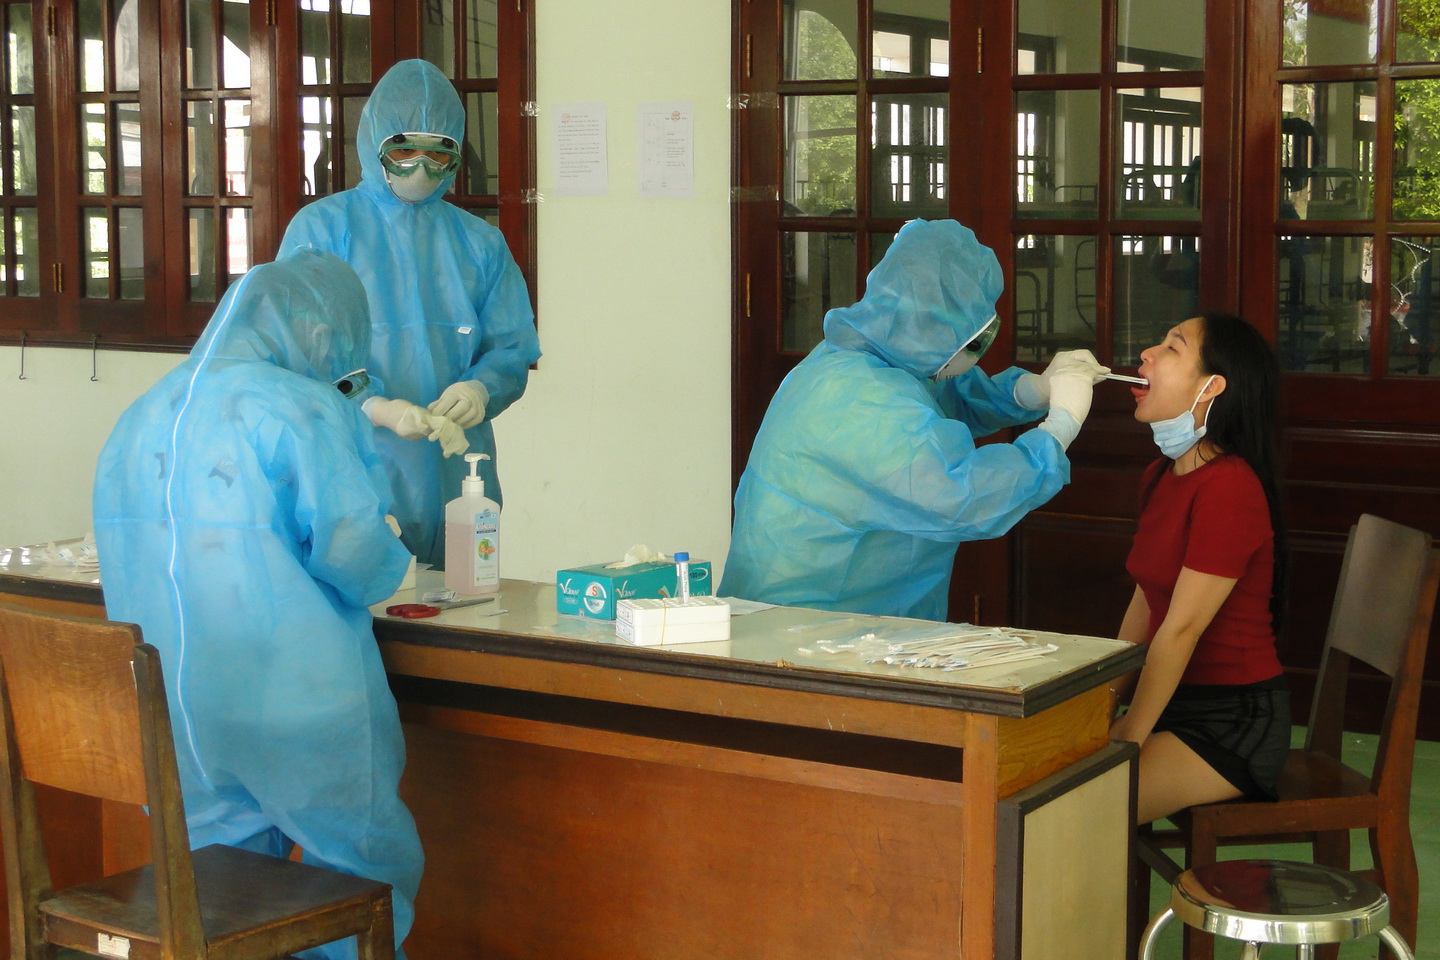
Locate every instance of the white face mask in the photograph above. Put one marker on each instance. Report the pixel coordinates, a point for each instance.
(413, 186)
(1178, 434)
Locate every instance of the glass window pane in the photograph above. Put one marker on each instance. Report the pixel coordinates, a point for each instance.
(355, 40)
(481, 38)
(27, 252)
(22, 151)
(1417, 150)
(1327, 150)
(437, 36)
(199, 46)
(1058, 36)
(908, 151)
(95, 248)
(200, 147)
(93, 147)
(1323, 32)
(817, 274)
(127, 135)
(352, 107)
(315, 133)
(1157, 285)
(235, 48)
(482, 144)
(238, 255)
(1057, 153)
(132, 253)
(1159, 145)
(1160, 36)
(1323, 292)
(1414, 303)
(237, 148)
(126, 45)
(879, 243)
(20, 48)
(821, 40)
(819, 156)
(314, 41)
(202, 255)
(1054, 295)
(1417, 32)
(90, 40)
(907, 37)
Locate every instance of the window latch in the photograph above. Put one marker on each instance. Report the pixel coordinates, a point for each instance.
(58, 270)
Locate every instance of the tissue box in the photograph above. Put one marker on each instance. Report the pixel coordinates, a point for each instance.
(652, 623)
(593, 591)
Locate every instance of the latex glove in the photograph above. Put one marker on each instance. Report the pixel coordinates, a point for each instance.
(1032, 390)
(1070, 394)
(407, 420)
(463, 402)
(448, 434)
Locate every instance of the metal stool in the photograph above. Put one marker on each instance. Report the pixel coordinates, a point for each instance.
(1277, 901)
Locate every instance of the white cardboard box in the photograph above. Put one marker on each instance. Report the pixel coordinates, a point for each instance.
(653, 623)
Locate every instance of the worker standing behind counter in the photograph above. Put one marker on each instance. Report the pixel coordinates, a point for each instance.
(865, 473)
(452, 324)
(240, 519)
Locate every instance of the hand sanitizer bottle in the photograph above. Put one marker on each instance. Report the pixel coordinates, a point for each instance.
(472, 536)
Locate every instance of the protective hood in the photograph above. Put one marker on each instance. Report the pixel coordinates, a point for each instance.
(412, 97)
(934, 290)
(306, 312)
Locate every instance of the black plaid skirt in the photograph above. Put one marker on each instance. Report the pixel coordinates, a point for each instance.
(1242, 731)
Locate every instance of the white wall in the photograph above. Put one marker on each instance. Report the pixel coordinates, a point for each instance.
(624, 433)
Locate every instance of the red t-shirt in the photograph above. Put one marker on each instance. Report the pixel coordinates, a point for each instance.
(1213, 520)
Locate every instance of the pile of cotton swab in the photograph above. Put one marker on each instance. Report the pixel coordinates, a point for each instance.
(944, 647)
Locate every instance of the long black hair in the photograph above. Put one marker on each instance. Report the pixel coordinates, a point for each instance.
(1242, 420)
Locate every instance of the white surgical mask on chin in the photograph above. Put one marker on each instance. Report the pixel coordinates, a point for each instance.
(1178, 434)
(413, 186)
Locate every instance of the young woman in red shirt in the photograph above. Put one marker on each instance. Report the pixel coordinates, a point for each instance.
(1210, 709)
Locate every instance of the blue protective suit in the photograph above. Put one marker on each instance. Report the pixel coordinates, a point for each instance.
(447, 302)
(240, 520)
(865, 473)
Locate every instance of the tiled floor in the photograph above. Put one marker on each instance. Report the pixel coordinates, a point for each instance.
(1425, 823)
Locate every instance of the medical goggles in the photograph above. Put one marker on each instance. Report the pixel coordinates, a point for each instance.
(352, 383)
(981, 341)
(426, 146)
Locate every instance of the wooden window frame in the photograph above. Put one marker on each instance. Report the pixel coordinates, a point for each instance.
(166, 319)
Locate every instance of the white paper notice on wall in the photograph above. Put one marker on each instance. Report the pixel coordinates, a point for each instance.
(581, 165)
(667, 150)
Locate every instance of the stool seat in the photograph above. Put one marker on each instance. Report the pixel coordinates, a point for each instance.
(1277, 901)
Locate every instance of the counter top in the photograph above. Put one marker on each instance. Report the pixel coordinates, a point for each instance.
(776, 647)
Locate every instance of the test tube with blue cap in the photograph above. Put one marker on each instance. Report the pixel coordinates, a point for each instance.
(682, 575)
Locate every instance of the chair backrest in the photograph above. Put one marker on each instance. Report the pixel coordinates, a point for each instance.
(82, 708)
(71, 688)
(1381, 615)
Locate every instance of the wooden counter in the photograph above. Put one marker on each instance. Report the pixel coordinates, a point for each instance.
(580, 797)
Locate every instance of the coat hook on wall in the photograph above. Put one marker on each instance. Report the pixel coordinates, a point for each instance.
(95, 358)
(23, 337)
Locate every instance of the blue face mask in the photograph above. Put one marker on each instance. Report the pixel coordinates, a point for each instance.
(1178, 434)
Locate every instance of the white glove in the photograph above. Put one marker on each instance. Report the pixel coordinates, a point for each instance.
(1070, 393)
(1032, 390)
(448, 434)
(406, 419)
(463, 402)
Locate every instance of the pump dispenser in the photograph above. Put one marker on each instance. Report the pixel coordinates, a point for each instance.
(472, 536)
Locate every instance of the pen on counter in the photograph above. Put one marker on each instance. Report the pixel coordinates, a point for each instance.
(1124, 379)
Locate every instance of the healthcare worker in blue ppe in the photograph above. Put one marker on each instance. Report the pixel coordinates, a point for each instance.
(865, 474)
(453, 330)
(240, 519)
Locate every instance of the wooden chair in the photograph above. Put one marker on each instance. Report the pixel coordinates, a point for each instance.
(1380, 615)
(82, 708)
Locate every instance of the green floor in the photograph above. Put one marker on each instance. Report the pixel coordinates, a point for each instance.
(1425, 823)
